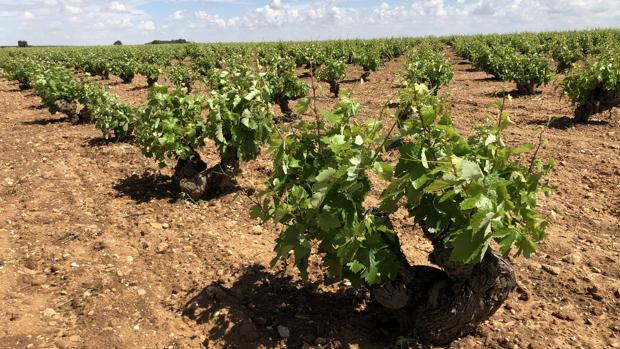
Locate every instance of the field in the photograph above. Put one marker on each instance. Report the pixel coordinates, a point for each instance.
(98, 249)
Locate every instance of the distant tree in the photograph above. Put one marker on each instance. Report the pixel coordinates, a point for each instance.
(22, 43)
(117, 43)
(161, 42)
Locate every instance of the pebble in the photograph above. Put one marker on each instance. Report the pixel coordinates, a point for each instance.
(565, 315)
(283, 331)
(141, 292)
(49, 312)
(248, 331)
(162, 247)
(551, 270)
(597, 270)
(573, 258)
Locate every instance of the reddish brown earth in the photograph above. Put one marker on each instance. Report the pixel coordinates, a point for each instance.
(98, 251)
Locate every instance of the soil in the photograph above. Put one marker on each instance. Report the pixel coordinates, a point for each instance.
(97, 249)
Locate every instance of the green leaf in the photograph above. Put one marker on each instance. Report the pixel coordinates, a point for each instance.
(384, 170)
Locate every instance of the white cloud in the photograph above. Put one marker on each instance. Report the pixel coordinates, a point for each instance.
(290, 19)
(178, 15)
(146, 25)
(116, 6)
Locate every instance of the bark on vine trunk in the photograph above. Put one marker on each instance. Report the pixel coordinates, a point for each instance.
(150, 81)
(528, 88)
(286, 110)
(599, 102)
(195, 179)
(334, 87)
(439, 306)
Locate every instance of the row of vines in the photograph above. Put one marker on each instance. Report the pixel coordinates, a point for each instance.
(468, 195)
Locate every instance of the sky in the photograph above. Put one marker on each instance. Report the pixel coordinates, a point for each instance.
(97, 22)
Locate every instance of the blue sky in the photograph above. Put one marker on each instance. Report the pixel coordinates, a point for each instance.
(92, 22)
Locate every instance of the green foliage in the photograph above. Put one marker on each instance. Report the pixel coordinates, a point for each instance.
(529, 71)
(333, 71)
(150, 71)
(125, 69)
(54, 84)
(118, 43)
(464, 193)
(599, 76)
(468, 192)
(182, 75)
(317, 192)
(430, 68)
(240, 116)
(283, 82)
(171, 125)
(22, 43)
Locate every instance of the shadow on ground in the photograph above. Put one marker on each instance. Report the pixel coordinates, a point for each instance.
(251, 313)
(148, 186)
(564, 122)
(46, 121)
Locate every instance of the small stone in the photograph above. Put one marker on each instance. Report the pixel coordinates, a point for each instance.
(573, 258)
(565, 315)
(588, 321)
(49, 312)
(260, 321)
(283, 331)
(141, 292)
(136, 328)
(156, 225)
(38, 280)
(551, 270)
(597, 270)
(162, 247)
(257, 230)
(165, 225)
(320, 341)
(75, 338)
(248, 331)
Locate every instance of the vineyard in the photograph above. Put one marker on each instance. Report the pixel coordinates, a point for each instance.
(458, 192)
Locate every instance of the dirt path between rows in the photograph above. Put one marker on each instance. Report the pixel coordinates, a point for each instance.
(97, 250)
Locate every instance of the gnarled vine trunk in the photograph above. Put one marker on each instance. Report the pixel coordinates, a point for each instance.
(69, 108)
(528, 88)
(150, 81)
(194, 178)
(127, 77)
(24, 83)
(334, 87)
(599, 102)
(287, 112)
(439, 306)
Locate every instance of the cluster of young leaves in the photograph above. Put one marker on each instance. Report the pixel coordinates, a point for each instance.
(182, 75)
(468, 192)
(464, 193)
(125, 69)
(54, 84)
(598, 77)
(319, 183)
(283, 82)
(171, 125)
(430, 68)
(150, 71)
(112, 117)
(333, 71)
(532, 70)
(566, 53)
(240, 115)
(369, 60)
(22, 70)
